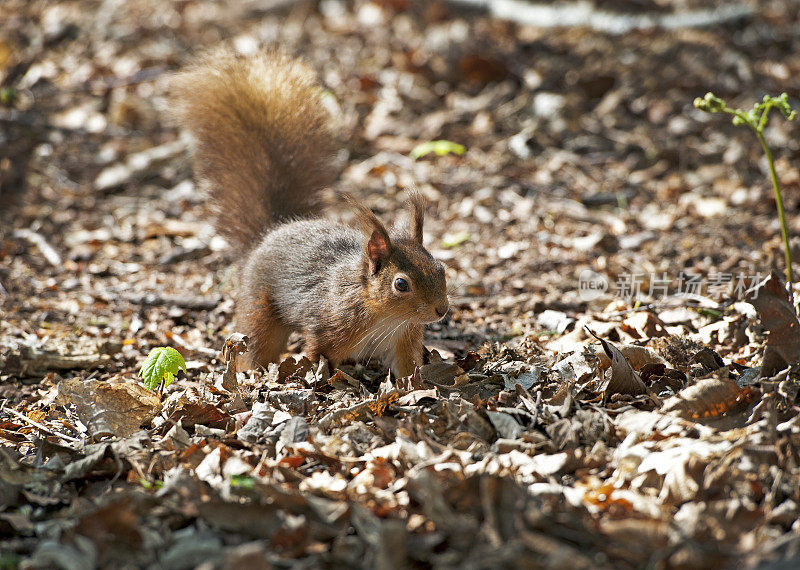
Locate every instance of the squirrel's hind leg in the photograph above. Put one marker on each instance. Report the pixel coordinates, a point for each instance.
(268, 334)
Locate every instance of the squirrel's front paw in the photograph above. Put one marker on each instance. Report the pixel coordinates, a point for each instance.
(404, 365)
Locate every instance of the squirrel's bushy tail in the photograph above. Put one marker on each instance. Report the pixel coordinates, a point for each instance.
(264, 143)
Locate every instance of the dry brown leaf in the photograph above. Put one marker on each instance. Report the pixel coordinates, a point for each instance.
(343, 381)
(199, 413)
(602, 498)
(709, 398)
(235, 345)
(376, 406)
(624, 379)
(191, 407)
(291, 367)
(638, 356)
(778, 316)
(442, 374)
(110, 409)
(644, 324)
(114, 523)
(414, 397)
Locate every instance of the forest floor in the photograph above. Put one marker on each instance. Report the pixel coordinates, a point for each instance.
(519, 444)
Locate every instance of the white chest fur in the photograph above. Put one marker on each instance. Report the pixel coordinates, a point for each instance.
(380, 341)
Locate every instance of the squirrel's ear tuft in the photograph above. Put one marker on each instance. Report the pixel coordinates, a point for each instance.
(417, 203)
(379, 245)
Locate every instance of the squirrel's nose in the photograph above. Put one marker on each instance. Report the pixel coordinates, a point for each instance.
(442, 311)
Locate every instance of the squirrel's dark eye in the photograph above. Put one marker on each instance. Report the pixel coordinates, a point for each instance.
(401, 285)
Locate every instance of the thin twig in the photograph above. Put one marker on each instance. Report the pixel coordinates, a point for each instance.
(40, 426)
(47, 250)
(536, 410)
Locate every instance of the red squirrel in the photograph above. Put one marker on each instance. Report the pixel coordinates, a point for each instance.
(263, 151)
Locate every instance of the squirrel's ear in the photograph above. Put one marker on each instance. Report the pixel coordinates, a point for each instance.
(377, 249)
(379, 245)
(417, 203)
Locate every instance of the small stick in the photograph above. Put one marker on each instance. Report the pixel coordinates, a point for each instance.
(536, 411)
(48, 252)
(40, 426)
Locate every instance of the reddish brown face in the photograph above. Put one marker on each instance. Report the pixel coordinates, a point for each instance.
(405, 281)
(413, 285)
(423, 290)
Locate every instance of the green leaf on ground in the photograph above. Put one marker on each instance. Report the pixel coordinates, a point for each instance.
(456, 239)
(243, 482)
(162, 364)
(440, 148)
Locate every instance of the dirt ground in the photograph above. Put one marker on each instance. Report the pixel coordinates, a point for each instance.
(519, 444)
